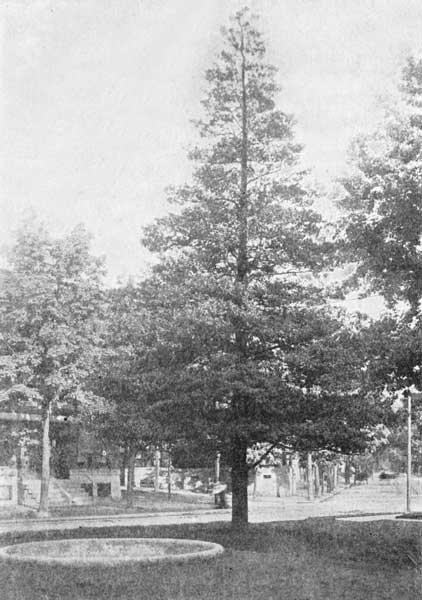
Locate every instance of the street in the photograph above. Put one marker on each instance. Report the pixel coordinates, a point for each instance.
(375, 497)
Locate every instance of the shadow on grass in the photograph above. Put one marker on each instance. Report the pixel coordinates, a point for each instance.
(318, 559)
(112, 583)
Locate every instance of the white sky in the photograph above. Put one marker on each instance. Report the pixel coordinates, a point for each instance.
(96, 98)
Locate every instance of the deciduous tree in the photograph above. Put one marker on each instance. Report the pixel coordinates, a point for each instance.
(51, 302)
(383, 200)
(127, 377)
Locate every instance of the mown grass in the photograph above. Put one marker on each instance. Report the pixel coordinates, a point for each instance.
(316, 559)
(143, 502)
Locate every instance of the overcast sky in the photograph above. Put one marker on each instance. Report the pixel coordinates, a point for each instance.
(97, 95)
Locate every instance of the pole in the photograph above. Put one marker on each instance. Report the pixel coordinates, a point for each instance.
(409, 451)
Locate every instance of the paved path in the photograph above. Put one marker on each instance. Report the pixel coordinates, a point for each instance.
(375, 497)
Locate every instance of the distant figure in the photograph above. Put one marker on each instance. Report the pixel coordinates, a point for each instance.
(388, 475)
(361, 476)
(219, 491)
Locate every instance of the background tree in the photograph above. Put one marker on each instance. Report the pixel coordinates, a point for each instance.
(235, 291)
(51, 303)
(383, 197)
(383, 232)
(127, 377)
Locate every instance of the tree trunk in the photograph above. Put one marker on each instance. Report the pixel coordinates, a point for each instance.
(239, 465)
(294, 473)
(310, 478)
(330, 479)
(20, 454)
(317, 481)
(255, 477)
(169, 475)
(290, 474)
(278, 480)
(123, 467)
(130, 477)
(157, 457)
(242, 257)
(239, 483)
(347, 471)
(45, 467)
(335, 477)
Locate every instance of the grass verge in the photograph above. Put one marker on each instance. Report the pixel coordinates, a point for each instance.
(143, 502)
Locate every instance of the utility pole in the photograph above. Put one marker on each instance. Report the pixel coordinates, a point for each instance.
(409, 452)
(413, 395)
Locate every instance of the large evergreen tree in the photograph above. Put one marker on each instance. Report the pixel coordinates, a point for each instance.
(239, 307)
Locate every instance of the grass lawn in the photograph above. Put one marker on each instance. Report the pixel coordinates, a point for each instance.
(143, 502)
(316, 559)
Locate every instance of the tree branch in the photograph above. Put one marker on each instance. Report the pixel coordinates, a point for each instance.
(270, 449)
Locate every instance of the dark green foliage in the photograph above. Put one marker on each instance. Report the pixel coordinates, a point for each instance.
(126, 374)
(253, 353)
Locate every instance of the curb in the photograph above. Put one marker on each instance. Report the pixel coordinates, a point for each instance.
(322, 499)
(109, 517)
(53, 520)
